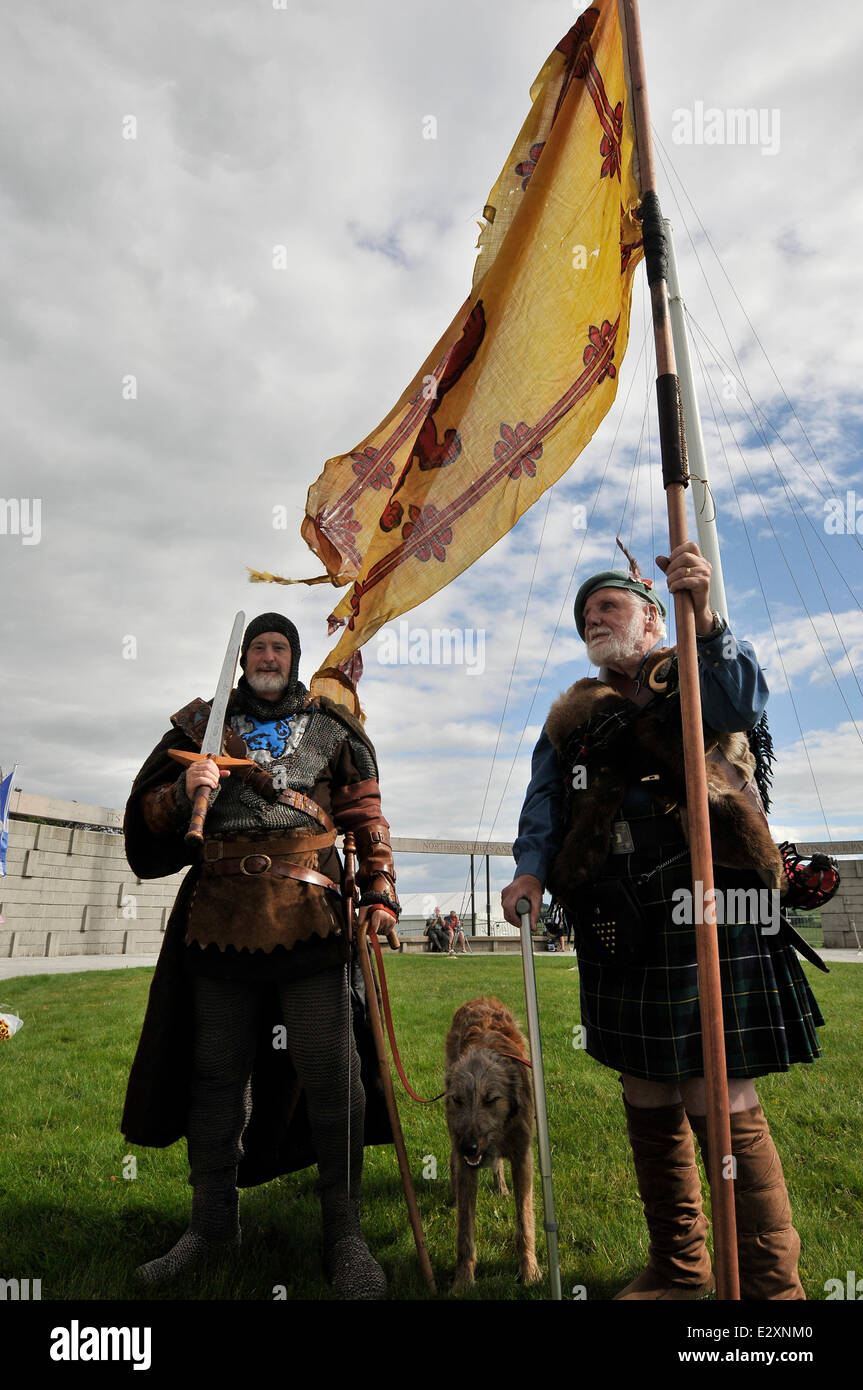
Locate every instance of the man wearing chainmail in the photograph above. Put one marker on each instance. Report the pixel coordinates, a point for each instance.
(248, 1046)
(603, 824)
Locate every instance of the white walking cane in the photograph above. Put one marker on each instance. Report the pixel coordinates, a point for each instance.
(522, 907)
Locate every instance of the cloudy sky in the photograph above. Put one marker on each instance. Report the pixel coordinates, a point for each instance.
(166, 387)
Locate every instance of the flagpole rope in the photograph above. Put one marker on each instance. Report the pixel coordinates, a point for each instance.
(720, 362)
(763, 595)
(631, 508)
(758, 429)
(794, 514)
(668, 165)
(760, 424)
(759, 418)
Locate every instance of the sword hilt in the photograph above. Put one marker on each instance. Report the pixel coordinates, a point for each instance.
(201, 804)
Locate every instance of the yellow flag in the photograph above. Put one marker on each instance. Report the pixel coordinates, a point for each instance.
(525, 372)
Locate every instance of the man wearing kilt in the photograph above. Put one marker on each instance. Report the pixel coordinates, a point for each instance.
(639, 996)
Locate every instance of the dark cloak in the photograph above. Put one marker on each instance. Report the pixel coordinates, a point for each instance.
(278, 1137)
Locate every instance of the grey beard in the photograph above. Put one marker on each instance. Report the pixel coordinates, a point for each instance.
(602, 650)
(268, 683)
(606, 649)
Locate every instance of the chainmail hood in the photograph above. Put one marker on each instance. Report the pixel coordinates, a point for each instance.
(294, 695)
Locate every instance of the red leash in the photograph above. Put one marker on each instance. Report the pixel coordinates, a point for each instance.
(376, 946)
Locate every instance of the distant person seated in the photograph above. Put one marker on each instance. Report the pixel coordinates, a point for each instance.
(455, 934)
(556, 932)
(436, 933)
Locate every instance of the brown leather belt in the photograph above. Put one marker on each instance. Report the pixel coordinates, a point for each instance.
(254, 865)
(215, 850)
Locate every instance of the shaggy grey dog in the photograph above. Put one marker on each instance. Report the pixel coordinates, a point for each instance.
(489, 1111)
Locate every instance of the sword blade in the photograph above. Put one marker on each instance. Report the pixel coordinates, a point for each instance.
(212, 741)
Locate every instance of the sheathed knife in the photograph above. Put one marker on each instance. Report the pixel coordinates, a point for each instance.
(214, 736)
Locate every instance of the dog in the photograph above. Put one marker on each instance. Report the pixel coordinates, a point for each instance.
(489, 1112)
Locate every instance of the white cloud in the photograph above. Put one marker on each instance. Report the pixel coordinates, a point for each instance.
(302, 128)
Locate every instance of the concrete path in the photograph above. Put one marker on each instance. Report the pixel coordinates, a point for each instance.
(61, 965)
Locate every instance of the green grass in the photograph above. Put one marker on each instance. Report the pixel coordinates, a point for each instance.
(67, 1215)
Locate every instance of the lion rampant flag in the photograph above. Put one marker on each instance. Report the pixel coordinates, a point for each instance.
(524, 374)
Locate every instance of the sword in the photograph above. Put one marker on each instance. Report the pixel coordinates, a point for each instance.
(211, 744)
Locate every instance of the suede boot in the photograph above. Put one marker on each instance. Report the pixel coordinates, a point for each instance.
(768, 1246)
(670, 1187)
(213, 1231)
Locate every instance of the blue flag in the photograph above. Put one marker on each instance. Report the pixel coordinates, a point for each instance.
(5, 798)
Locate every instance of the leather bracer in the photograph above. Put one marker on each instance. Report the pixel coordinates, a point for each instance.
(167, 809)
(358, 808)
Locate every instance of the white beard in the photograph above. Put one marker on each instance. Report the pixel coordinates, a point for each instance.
(604, 650)
(267, 682)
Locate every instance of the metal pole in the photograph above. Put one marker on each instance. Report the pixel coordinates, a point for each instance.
(472, 897)
(673, 453)
(487, 896)
(543, 1142)
(702, 497)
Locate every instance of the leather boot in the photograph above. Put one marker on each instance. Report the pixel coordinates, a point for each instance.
(768, 1246)
(213, 1231)
(349, 1265)
(670, 1187)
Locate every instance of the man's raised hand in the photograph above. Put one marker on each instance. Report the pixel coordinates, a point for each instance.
(203, 774)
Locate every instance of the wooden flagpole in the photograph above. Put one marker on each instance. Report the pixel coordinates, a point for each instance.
(359, 934)
(720, 1168)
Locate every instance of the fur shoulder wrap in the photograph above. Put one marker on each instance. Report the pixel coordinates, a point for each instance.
(605, 742)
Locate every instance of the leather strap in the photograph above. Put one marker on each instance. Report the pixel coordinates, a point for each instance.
(305, 803)
(256, 865)
(790, 934)
(391, 1032)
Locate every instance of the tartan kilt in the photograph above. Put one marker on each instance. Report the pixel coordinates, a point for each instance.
(643, 1019)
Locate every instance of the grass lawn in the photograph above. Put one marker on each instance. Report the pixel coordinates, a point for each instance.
(68, 1216)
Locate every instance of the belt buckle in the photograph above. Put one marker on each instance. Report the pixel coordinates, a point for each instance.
(253, 873)
(621, 838)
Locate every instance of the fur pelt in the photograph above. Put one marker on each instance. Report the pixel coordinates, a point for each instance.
(650, 747)
(489, 1112)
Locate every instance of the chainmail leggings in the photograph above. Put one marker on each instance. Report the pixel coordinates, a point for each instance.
(320, 1040)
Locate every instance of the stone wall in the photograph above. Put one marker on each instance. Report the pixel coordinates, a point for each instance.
(68, 889)
(842, 918)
